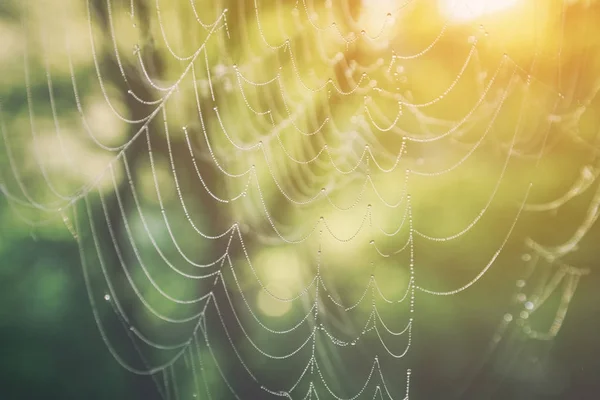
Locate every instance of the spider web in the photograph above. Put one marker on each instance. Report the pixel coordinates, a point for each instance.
(265, 177)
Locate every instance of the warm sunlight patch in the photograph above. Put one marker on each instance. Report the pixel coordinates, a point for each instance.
(468, 10)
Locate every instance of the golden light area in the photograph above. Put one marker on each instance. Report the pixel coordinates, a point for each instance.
(281, 273)
(338, 225)
(469, 10)
(271, 306)
(377, 17)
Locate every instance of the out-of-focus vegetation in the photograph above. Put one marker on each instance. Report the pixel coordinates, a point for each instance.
(71, 71)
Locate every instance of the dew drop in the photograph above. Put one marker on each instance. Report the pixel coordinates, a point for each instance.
(107, 297)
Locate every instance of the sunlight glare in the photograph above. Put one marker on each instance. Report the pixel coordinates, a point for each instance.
(468, 10)
(377, 14)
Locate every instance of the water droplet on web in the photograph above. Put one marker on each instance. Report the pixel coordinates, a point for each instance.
(107, 297)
